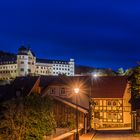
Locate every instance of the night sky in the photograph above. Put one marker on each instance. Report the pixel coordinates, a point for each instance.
(96, 33)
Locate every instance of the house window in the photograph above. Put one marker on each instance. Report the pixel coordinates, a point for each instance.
(22, 62)
(112, 116)
(114, 103)
(109, 115)
(62, 91)
(109, 103)
(97, 115)
(96, 103)
(52, 91)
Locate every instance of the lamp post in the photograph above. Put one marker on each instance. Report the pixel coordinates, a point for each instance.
(76, 91)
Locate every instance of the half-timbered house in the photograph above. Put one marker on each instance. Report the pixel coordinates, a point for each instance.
(111, 109)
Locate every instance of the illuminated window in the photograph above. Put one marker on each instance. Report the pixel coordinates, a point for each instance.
(96, 103)
(109, 103)
(112, 115)
(114, 103)
(97, 115)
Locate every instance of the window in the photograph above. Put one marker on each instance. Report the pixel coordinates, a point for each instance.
(97, 115)
(21, 69)
(29, 70)
(62, 91)
(112, 115)
(114, 103)
(52, 91)
(109, 103)
(22, 62)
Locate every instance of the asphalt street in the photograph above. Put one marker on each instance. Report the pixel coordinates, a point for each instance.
(115, 135)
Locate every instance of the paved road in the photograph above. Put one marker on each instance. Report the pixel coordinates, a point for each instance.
(115, 135)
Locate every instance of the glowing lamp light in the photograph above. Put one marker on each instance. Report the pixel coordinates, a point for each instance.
(76, 90)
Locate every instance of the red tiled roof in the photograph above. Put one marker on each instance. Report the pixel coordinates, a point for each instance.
(109, 87)
(99, 87)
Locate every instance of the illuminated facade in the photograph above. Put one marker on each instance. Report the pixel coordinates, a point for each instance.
(26, 63)
(111, 109)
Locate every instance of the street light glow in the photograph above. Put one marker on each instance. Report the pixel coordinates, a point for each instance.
(76, 90)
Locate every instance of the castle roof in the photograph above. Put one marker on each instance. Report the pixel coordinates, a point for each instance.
(38, 60)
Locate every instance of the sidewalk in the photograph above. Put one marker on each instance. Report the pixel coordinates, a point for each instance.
(88, 136)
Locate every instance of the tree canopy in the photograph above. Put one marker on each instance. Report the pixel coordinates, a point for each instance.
(28, 118)
(135, 86)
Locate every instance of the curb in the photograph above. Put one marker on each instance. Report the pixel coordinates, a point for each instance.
(93, 135)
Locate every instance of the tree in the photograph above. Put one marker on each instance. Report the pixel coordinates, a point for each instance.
(28, 118)
(120, 72)
(135, 86)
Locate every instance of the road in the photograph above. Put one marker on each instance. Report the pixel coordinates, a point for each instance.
(115, 135)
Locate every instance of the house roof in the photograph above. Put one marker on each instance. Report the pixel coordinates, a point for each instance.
(23, 84)
(69, 103)
(3, 92)
(99, 87)
(9, 59)
(109, 87)
(38, 60)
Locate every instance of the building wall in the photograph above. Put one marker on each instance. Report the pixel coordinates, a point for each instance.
(31, 63)
(111, 113)
(63, 67)
(64, 113)
(22, 63)
(59, 90)
(43, 69)
(8, 71)
(26, 65)
(127, 106)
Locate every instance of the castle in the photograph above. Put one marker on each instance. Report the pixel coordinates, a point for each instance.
(26, 63)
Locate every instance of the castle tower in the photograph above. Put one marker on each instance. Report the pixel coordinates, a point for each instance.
(72, 67)
(22, 61)
(26, 61)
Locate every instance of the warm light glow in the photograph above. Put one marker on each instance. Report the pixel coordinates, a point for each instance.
(76, 90)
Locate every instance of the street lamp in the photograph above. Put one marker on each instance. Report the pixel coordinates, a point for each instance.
(76, 91)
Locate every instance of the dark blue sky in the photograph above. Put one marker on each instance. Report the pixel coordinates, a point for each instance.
(95, 33)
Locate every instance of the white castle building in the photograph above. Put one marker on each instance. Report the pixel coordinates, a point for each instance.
(26, 63)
